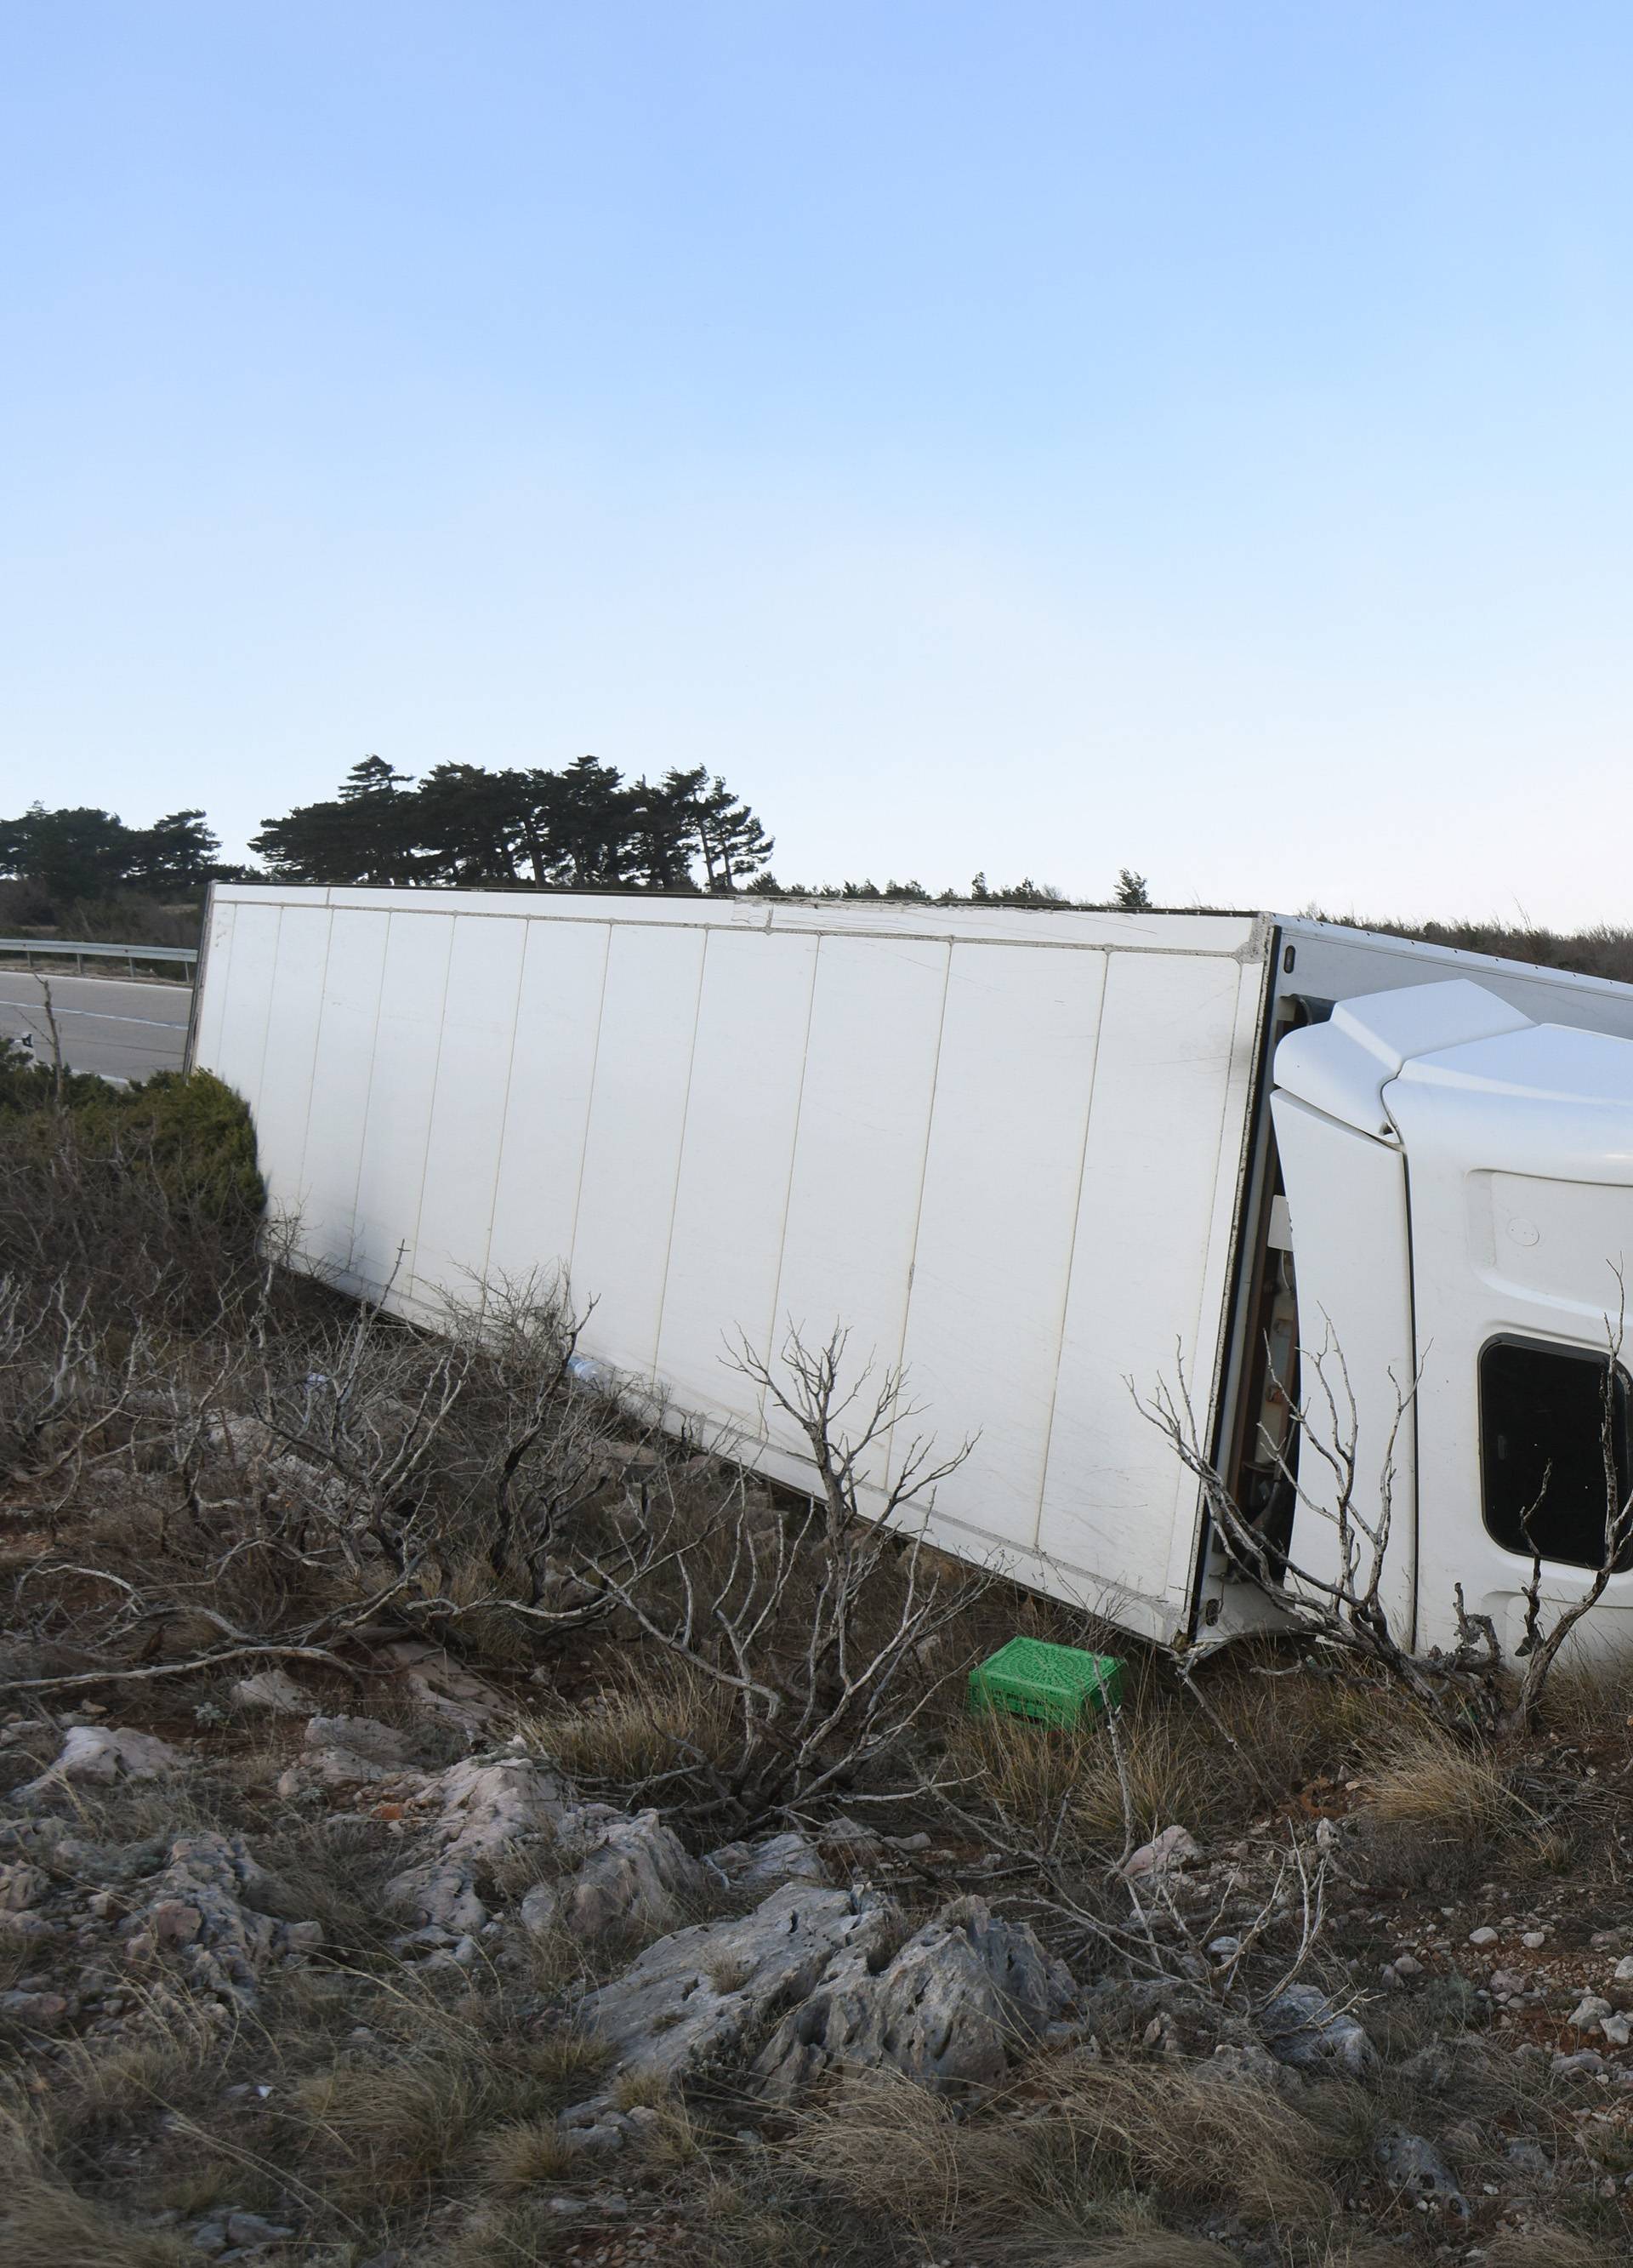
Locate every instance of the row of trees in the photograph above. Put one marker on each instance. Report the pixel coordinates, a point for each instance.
(585, 828)
(84, 854)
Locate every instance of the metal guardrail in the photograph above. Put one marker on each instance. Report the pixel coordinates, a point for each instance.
(27, 947)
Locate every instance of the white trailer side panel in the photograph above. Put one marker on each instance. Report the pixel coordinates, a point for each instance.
(293, 1021)
(1150, 1259)
(1002, 1171)
(551, 1063)
(326, 1197)
(866, 1093)
(620, 1252)
(1002, 1148)
(241, 1045)
(731, 1200)
(396, 1136)
(469, 1107)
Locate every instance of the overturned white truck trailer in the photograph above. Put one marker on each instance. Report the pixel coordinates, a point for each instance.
(1030, 1156)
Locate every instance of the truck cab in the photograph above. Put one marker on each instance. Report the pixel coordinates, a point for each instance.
(1445, 1248)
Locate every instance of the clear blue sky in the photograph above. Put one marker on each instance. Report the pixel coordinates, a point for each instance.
(1033, 437)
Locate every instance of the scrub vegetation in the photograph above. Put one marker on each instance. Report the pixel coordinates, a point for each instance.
(416, 1765)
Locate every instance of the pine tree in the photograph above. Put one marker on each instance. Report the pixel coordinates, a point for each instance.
(730, 840)
(365, 836)
(660, 832)
(175, 857)
(582, 827)
(1132, 896)
(587, 820)
(372, 777)
(81, 852)
(467, 824)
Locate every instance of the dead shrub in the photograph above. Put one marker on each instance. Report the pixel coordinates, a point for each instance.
(824, 1623)
(257, 1496)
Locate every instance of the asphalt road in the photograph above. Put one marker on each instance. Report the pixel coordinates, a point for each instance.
(107, 1024)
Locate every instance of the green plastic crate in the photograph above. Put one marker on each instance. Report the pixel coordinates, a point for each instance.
(1052, 1684)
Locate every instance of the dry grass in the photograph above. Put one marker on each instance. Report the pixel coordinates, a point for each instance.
(1198, 2140)
(1152, 2249)
(639, 2090)
(628, 1735)
(332, 1871)
(394, 2129)
(45, 2223)
(438, 2084)
(1422, 1776)
(1076, 2141)
(104, 2086)
(1545, 2248)
(1040, 1776)
(1589, 1701)
(517, 2156)
(745, 2221)
(675, 2139)
(1249, 1735)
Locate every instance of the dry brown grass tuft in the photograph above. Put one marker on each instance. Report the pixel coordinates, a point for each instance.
(893, 2150)
(440, 2080)
(1587, 1700)
(103, 2086)
(334, 1871)
(1040, 1775)
(503, 2232)
(1157, 2248)
(1195, 2138)
(628, 1735)
(639, 2090)
(516, 2157)
(16, 1956)
(675, 2137)
(1547, 2248)
(44, 2223)
(738, 2223)
(1078, 2140)
(1422, 1776)
(394, 2129)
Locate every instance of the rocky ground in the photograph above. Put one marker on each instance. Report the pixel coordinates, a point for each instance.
(292, 1982)
(447, 1820)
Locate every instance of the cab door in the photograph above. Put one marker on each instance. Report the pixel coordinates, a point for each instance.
(1352, 1195)
(1520, 1149)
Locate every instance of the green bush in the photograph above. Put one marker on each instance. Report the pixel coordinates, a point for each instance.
(189, 1128)
(143, 1199)
(193, 1132)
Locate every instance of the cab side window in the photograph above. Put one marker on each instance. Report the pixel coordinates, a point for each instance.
(1542, 1449)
